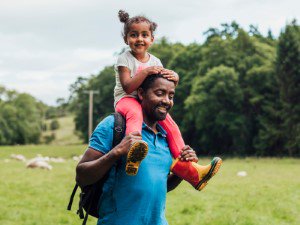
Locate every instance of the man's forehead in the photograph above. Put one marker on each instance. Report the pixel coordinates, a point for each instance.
(163, 83)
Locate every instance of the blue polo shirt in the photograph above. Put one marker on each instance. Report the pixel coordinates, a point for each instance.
(140, 199)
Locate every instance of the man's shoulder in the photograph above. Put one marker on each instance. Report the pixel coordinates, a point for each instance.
(106, 122)
(102, 137)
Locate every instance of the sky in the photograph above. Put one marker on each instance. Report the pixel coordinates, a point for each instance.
(45, 45)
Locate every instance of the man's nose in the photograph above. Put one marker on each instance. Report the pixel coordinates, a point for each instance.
(166, 100)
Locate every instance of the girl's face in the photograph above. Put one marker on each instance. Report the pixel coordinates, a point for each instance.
(139, 38)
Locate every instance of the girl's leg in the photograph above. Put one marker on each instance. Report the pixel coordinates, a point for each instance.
(131, 109)
(174, 137)
(197, 175)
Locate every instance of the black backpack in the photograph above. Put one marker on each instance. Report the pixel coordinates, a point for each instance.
(90, 194)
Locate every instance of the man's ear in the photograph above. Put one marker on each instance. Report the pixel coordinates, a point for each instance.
(140, 93)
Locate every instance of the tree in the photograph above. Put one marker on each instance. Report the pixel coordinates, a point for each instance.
(29, 120)
(104, 83)
(186, 63)
(20, 119)
(165, 50)
(288, 72)
(215, 106)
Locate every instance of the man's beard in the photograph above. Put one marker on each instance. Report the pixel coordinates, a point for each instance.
(160, 112)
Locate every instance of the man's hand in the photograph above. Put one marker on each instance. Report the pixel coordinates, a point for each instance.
(188, 154)
(170, 75)
(128, 140)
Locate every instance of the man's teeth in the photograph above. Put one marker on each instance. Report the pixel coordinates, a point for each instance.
(162, 108)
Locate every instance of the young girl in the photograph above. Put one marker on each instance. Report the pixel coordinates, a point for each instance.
(132, 68)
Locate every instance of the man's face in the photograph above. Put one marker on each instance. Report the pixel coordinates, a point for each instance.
(158, 99)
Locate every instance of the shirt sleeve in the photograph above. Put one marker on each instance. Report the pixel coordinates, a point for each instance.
(122, 61)
(156, 61)
(102, 137)
(159, 62)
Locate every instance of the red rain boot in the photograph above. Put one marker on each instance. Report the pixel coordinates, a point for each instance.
(197, 175)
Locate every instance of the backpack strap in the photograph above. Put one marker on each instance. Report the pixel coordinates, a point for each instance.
(72, 197)
(119, 128)
(88, 209)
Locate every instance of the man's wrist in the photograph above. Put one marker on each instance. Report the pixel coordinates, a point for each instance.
(116, 152)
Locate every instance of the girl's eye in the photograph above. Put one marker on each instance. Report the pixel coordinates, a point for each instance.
(145, 35)
(132, 35)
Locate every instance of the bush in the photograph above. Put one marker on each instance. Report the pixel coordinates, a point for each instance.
(54, 125)
(49, 138)
(44, 127)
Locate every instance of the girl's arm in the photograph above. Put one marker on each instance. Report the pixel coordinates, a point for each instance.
(130, 84)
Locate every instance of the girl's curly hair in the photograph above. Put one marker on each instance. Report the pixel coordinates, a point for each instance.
(124, 18)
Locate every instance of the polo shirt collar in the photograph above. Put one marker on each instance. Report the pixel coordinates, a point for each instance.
(161, 131)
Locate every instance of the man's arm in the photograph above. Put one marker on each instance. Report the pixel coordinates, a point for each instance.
(94, 164)
(173, 182)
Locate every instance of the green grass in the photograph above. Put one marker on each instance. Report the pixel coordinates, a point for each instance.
(270, 194)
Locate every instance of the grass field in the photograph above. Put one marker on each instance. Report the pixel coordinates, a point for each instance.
(270, 194)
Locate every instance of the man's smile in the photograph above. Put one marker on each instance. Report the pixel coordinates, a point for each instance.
(163, 109)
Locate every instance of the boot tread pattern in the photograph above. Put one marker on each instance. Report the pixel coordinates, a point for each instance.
(136, 154)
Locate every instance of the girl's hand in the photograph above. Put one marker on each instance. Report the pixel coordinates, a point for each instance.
(188, 154)
(152, 70)
(170, 75)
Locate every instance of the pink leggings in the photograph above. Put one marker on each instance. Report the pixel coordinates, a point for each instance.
(131, 109)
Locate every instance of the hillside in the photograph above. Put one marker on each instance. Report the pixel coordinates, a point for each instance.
(65, 134)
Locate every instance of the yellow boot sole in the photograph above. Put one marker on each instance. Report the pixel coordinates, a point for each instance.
(215, 166)
(137, 152)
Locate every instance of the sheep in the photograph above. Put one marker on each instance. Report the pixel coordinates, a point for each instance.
(77, 158)
(34, 163)
(242, 174)
(18, 157)
(57, 160)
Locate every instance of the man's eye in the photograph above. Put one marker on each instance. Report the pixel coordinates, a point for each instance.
(159, 93)
(171, 97)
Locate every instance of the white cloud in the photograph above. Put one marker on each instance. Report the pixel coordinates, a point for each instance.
(45, 45)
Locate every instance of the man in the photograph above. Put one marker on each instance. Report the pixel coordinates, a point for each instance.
(140, 199)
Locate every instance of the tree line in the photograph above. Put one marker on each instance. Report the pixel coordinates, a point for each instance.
(22, 118)
(238, 92)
